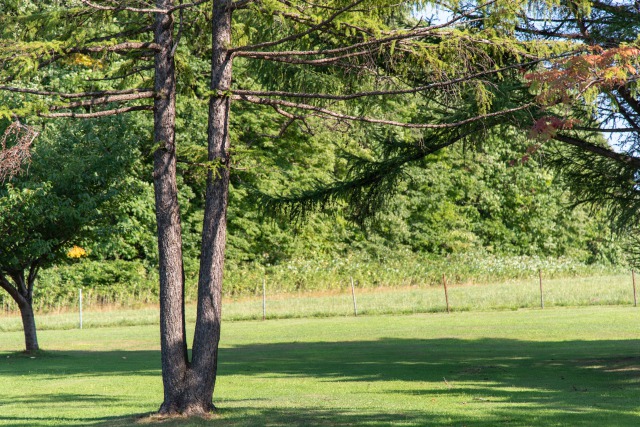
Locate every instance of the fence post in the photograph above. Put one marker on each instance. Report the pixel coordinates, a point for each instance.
(80, 304)
(541, 292)
(633, 278)
(264, 298)
(353, 295)
(446, 294)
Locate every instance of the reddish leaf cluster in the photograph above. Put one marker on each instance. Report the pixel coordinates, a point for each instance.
(546, 127)
(571, 78)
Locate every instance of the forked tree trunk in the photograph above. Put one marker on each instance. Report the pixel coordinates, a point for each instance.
(188, 387)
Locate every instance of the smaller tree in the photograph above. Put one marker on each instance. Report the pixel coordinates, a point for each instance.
(42, 210)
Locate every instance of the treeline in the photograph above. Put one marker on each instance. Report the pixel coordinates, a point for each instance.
(488, 212)
(313, 200)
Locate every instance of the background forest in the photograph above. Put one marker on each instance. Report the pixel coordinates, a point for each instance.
(493, 211)
(493, 207)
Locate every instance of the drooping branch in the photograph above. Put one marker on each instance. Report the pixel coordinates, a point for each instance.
(601, 151)
(127, 33)
(320, 61)
(365, 189)
(297, 36)
(409, 90)
(247, 50)
(341, 116)
(632, 101)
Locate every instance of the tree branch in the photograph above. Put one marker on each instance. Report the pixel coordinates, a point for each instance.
(11, 290)
(156, 10)
(123, 8)
(601, 151)
(290, 60)
(606, 130)
(246, 50)
(31, 278)
(120, 47)
(335, 114)
(98, 113)
(105, 100)
(388, 92)
(74, 95)
(296, 36)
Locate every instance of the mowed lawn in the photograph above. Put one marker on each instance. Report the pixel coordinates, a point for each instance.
(551, 367)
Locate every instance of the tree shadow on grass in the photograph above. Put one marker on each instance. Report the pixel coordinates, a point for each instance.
(498, 381)
(483, 382)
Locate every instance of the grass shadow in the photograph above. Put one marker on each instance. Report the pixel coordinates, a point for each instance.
(488, 381)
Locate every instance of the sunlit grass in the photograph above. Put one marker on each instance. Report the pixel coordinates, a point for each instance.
(552, 367)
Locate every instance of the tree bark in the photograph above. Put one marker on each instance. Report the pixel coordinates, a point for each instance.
(29, 326)
(188, 387)
(22, 294)
(207, 333)
(173, 345)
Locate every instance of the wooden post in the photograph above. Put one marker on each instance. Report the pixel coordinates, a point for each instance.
(80, 304)
(353, 295)
(264, 298)
(541, 293)
(446, 294)
(633, 278)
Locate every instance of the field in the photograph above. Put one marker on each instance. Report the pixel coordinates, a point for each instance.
(510, 295)
(554, 367)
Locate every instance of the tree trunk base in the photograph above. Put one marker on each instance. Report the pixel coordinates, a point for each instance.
(29, 327)
(186, 408)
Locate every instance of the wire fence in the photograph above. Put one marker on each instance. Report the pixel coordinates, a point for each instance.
(356, 299)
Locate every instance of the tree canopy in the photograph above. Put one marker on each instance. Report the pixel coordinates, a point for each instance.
(71, 180)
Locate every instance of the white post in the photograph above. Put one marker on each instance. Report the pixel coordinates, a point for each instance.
(264, 299)
(80, 304)
(633, 278)
(541, 293)
(353, 294)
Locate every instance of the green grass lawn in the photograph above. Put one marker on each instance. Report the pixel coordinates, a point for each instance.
(552, 367)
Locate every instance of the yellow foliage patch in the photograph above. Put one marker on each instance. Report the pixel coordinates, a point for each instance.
(84, 60)
(76, 252)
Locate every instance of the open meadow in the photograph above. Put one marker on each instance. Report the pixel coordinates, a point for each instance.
(561, 366)
(604, 290)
